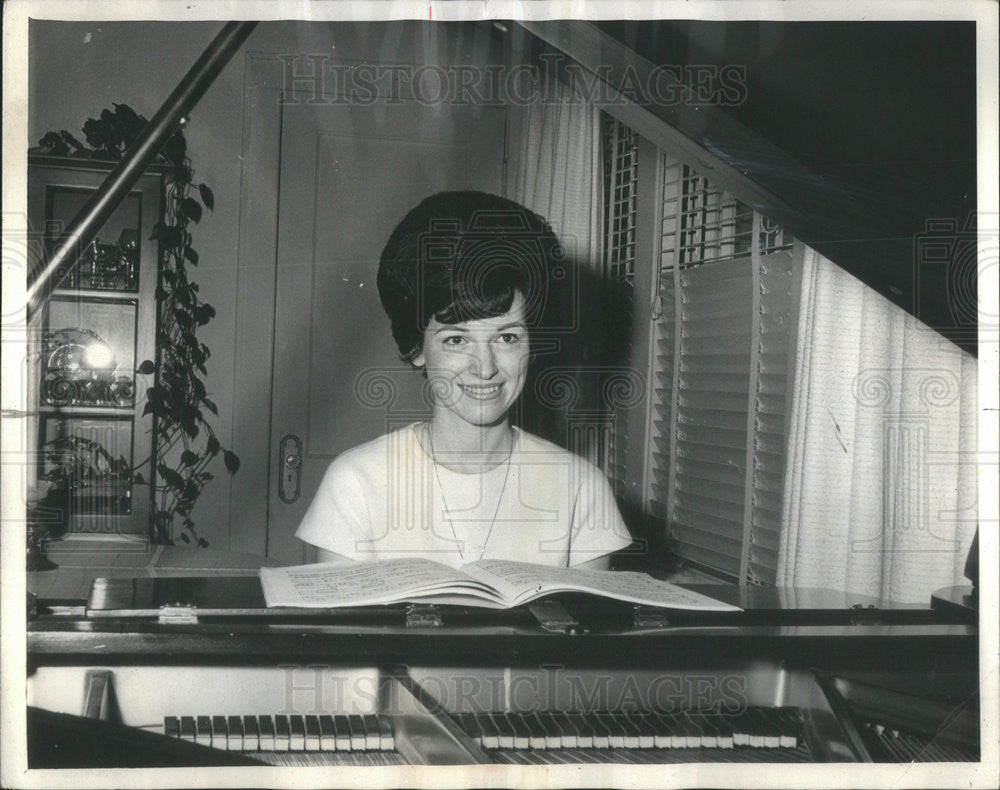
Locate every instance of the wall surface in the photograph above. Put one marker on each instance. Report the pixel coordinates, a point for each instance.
(79, 68)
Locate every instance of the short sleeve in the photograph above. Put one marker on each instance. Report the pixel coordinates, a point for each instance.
(337, 519)
(598, 527)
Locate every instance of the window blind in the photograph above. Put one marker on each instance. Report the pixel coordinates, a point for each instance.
(721, 336)
(621, 182)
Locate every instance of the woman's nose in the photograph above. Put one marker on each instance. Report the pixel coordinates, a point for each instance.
(483, 363)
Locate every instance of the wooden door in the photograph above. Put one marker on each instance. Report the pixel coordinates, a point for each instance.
(348, 174)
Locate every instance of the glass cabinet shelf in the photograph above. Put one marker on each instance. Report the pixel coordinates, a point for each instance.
(87, 342)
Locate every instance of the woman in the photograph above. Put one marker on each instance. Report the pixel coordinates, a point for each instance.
(462, 278)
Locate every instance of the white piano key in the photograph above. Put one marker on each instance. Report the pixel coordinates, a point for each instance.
(171, 727)
(251, 734)
(234, 740)
(203, 730)
(188, 728)
(297, 734)
(371, 732)
(386, 740)
(312, 733)
(343, 730)
(568, 738)
(267, 734)
(327, 734)
(282, 734)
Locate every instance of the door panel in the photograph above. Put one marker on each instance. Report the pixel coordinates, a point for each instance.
(348, 175)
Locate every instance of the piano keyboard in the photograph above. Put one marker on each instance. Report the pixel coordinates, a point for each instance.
(767, 734)
(899, 746)
(365, 739)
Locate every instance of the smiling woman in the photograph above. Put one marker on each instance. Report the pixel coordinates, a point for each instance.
(463, 279)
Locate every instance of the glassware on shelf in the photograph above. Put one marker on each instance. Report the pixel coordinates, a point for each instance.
(81, 370)
(108, 267)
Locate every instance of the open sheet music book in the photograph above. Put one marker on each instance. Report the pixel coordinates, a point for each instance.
(495, 584)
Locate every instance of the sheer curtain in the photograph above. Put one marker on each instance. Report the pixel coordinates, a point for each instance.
(880, 484)
(557, 171)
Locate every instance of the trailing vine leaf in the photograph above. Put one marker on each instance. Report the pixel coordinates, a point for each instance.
(206, 196)
(192, 209)
(232, 462)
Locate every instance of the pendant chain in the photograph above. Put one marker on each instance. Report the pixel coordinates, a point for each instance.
(447, 509)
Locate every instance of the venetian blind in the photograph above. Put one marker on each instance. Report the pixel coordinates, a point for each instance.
(721, 335)
(621, 176)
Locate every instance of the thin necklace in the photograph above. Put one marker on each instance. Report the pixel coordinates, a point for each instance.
(447, 509)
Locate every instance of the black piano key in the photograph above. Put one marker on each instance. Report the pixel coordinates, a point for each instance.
(771, 728)
(616, 735)
(203, 731)
(602, 738)
(522, 733)
(707, 737)
(644, 724)
(470, 726)
(568, 736)
(371, 732)
(584, 732)
(357, 728)
(720, 730)
(691, 725)
(267, 734)
(171, 727)
(297, 734)
(282, 734)
(234, 741)
(251, 734)
(188, 728)
(789, 721)
(312, 733)
(505, 729)
(741, 725)
(220, 737)
(754, 724)
(536, 732)
(553, 734)
(669, 734)
(327, 734)
(343, 729)
(386, 740)
(629, 728)
(490, 731)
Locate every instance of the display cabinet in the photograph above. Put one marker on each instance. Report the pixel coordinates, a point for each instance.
(86, 344)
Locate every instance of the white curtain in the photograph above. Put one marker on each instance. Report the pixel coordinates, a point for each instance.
(880, 485)
(557, 169)
(556, 166)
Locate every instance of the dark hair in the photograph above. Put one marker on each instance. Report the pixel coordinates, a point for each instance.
(462, 256)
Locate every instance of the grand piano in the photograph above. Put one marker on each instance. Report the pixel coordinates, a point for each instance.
(198, 671)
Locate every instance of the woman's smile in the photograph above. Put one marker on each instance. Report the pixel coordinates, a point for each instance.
(476, 369)
(481, 392)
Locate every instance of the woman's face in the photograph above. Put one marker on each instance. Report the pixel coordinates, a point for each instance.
(476, 369)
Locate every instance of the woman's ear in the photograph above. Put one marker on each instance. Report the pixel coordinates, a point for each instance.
(418, 361)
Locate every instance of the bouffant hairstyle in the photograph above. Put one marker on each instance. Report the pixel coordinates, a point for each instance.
(463, 256)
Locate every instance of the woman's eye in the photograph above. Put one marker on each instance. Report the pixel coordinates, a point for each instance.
(509, 337)
(453, 340)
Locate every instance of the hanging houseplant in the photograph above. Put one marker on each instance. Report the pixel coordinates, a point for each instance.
(184, 442)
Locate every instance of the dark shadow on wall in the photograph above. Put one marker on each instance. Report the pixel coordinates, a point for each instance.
(581, 381)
